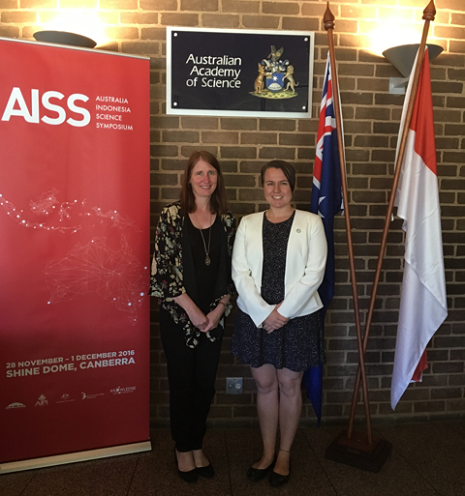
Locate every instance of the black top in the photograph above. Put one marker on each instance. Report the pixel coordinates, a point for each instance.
(205, 275)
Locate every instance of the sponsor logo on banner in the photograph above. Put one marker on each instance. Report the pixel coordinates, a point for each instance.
(92, 396)
(65, 398)
(42, 401)
(121, 390)
(14, 405)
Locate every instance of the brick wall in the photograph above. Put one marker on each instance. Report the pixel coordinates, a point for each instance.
(243, 145)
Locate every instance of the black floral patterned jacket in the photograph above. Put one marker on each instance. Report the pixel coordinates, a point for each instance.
(166, 281)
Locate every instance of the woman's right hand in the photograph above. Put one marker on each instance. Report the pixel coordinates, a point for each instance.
(275, 320)
(198, 318)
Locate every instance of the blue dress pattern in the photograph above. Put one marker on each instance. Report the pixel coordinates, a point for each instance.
(299, 344)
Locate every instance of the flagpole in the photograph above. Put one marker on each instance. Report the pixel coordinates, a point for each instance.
(360, 451)
(428, 16)
(328, 21)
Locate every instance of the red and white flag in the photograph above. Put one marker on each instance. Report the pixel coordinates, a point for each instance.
(423, 306)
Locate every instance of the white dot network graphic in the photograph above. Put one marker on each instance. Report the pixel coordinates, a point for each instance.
(116, 275)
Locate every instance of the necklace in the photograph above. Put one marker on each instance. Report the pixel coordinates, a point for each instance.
(207, 250)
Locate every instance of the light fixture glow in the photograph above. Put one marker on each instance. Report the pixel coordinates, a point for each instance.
(392, 33)
(83, 21)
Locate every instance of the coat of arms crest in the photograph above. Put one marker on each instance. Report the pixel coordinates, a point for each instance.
(275, 78)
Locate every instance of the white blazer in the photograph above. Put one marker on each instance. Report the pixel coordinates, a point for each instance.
(305, 266)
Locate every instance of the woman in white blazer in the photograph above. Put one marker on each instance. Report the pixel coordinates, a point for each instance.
(278, 263)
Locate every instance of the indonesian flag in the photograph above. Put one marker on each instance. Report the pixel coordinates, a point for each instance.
(423, 306)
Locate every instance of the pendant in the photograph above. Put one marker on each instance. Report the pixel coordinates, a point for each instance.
(207, 260)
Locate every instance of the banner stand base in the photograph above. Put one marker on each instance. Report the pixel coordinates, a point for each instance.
(358, 453)
(80, 456)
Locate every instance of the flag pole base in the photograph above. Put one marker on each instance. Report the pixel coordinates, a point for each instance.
(357, 452)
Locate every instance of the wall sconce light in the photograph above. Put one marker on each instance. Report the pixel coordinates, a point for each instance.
(65, 38)
(402, 58)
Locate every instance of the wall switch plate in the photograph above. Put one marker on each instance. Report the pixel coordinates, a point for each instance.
(397, 85)
(234, 385)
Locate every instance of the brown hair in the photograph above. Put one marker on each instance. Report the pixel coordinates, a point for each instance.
(218, 200)
(286, 167)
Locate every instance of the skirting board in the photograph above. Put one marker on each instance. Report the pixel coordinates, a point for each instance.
(81, 456)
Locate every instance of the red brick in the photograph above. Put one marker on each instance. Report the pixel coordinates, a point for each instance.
(180, 137)
(220, 137)
(238, 152)
(38, 4)
(138, 18)
(275, 153)
(199, 5)
(18, 17)
(277, 124)
(296, 139)
(187, 150)
(10, 32)
(237, 123)
(158, 5)
(259, 138)
(170, 19)
(141, 48)
(118, 4)
(120, 33)
(8, 4)
(284, 8)
(300, 24)
(260, 22)
(449, 32)
(153, 34)
(221, 21)
(241, 7)
(193, 122)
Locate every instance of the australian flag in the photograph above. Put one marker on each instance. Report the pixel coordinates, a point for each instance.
(326, 201)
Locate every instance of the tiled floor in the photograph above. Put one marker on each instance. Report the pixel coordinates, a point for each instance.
(427, 459)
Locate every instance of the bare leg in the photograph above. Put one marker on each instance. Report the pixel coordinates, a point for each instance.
(200, 459)
(290, 408)
(268, 411)
(186, 461)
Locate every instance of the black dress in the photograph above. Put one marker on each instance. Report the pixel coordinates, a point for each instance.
(298, 345)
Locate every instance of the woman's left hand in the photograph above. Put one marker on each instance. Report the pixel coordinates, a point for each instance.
(275, 320)
(213, 318)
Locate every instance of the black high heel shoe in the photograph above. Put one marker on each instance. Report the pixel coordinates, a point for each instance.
(257, 474)
(190, 476)
(206, 472)
(277, 480)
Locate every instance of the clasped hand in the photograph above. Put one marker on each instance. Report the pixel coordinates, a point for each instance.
(274, 321)
(205, 323)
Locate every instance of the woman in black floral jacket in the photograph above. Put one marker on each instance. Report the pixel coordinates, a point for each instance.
(191, 276)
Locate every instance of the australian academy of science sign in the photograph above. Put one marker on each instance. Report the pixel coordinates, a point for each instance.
(75, 246)
(239, 72)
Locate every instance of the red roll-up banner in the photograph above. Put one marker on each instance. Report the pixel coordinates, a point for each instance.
(74, 252)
